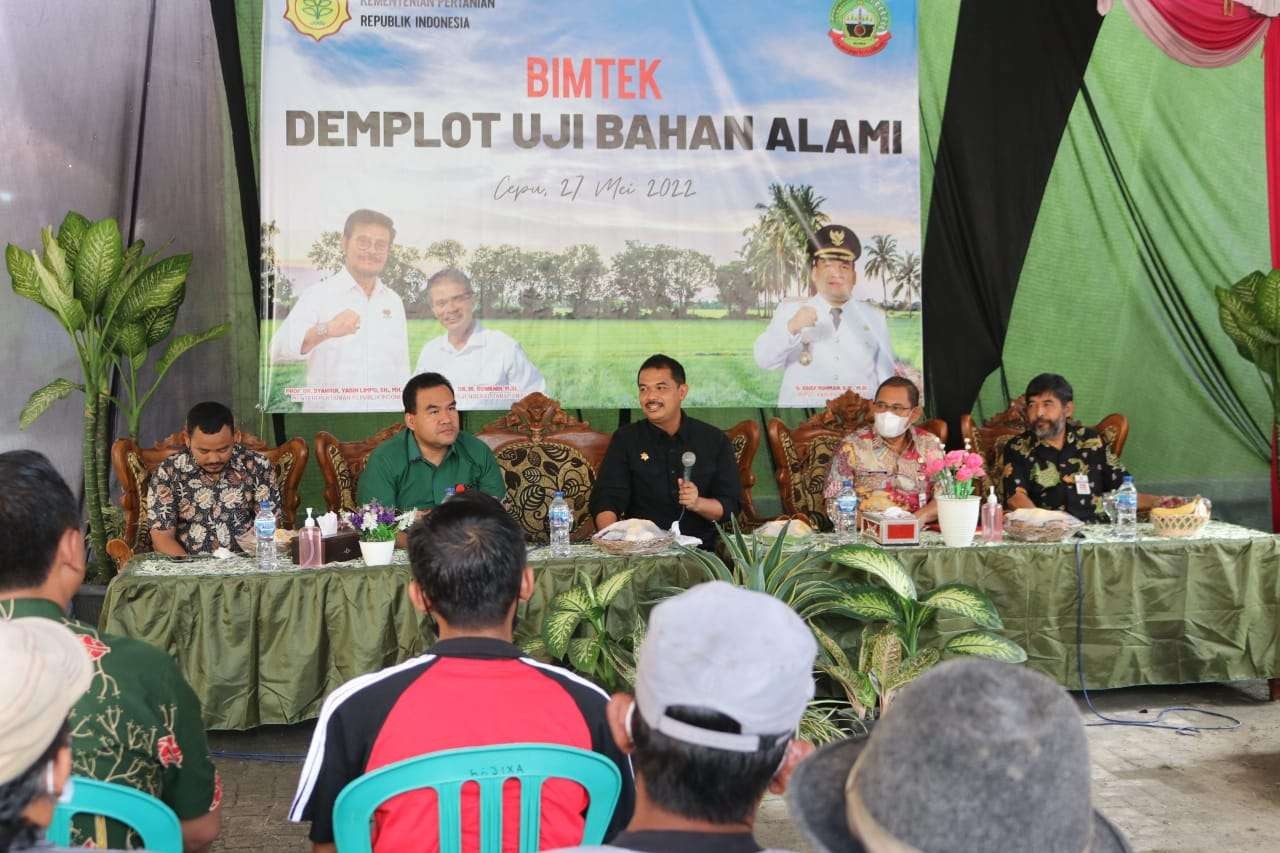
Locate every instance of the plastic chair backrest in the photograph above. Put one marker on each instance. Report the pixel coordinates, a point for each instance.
(489, 767)
(150, 818)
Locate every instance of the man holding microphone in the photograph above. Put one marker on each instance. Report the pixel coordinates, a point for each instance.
(647, 472)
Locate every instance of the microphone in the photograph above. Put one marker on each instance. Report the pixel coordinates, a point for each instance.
(687, 459)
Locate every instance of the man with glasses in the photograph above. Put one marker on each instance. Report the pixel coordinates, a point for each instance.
(828, 343)
(350, 328)
(488, 368)
(888, 457)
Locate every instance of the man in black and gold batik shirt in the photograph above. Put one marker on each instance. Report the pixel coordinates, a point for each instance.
(1058, 463)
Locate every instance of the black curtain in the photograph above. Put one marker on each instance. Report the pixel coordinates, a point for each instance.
(1015, 74)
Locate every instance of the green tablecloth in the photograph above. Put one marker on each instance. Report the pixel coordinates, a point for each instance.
(1156, 610)
(267, 647)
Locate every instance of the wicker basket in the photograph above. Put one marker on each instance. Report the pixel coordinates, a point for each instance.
(624, 548)
(1178, 526)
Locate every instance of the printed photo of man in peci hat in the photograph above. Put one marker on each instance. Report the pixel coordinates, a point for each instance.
(973, 756)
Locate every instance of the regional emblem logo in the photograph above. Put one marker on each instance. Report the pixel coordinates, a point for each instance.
(859, 27)
(317, 18)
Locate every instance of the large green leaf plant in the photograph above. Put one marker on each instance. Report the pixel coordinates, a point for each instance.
(115, 304)
(1249, 312)
(891, 657)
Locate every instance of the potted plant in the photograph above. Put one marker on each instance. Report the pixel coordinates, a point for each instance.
(377, 527)
(115, 304)
(953, 477)
(574, 629)
(892, 657)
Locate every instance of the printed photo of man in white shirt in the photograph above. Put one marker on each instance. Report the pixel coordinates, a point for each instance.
(829, 343)
(350, 328)
(488, 368)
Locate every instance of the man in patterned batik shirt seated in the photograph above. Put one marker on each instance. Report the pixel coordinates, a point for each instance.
(885, 461)
(206, 496)
(139, 723)
(1058, 463)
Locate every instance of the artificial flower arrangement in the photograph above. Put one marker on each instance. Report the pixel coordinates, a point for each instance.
(954, 473)
(377, 523)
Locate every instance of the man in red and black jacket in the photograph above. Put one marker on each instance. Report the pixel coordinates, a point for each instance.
(472, 688)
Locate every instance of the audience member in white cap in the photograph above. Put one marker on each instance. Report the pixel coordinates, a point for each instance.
(722, 679)
(44, 672)
(974, 755)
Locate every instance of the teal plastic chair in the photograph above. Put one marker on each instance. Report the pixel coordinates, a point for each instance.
(489, 767)
(150, 818)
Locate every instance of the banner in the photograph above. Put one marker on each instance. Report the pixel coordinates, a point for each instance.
(535, 197)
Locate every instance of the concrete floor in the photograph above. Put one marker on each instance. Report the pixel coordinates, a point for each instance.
(1215, 791)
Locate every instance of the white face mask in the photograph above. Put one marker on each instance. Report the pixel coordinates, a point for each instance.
(890, 425)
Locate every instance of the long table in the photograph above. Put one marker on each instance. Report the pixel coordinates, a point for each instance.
(267, 647)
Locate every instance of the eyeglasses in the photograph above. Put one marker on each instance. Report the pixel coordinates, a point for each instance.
(364, 244)
(896, 408)
(451, 301)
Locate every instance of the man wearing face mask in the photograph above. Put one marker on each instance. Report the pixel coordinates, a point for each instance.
(890, 456)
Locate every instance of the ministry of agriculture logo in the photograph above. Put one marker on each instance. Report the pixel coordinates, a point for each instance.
(316, 18)
(859, 27)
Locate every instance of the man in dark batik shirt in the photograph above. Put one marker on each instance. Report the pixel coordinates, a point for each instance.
(206, 496)
(1058, 463)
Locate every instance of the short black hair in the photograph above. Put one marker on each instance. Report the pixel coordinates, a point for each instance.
(210, 417)
(1050, 383)
(364, 216)
(419, 383)
(448, 274)
(913, 392)
(659, 361)
(716, 785)
(468, 556)
(36, 509)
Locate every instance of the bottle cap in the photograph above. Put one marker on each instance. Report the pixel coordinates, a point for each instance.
(311, 522)
(559, 494)
(991, 494)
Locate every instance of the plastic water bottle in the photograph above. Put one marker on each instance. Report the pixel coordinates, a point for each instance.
(846, 521)
(560, 518)
(1126, 526)
(265, 527)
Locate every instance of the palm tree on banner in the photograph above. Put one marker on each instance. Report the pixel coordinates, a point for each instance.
(779, 241)
(883, 260)
(907, 278)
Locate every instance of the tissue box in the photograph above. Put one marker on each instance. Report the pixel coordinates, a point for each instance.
(889, 529)
(340, 547)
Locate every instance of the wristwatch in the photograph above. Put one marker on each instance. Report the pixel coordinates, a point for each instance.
(322, 330)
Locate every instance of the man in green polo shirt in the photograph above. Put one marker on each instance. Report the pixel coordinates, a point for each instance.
(416, 467)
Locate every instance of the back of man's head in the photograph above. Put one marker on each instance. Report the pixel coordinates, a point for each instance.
(722, 679)
(468, 557)
(36, 509)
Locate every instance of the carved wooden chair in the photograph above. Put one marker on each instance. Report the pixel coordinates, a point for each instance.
(341, 463)
(990, 438)
(134, 465)
(541, 450)
(744, 437)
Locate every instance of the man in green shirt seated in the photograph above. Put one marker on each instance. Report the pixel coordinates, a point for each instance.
(416, 467)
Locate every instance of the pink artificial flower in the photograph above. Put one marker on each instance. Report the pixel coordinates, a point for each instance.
(973, 460)
(955, 457)
(965, 474)
(932, 467)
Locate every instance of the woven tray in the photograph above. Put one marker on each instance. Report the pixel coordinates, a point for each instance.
(1178, 526)
(623, 548)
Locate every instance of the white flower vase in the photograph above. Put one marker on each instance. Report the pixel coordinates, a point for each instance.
(958, 518)
(377, 553)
